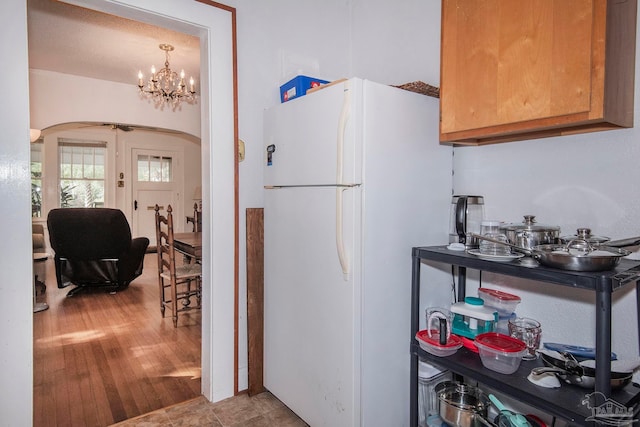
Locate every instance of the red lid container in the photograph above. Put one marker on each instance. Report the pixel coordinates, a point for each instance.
(502, 296)
(499, 352)
(503, 302)
(431, 344)
(501, 342)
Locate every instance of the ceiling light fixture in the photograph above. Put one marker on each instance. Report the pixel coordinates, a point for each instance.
(165, 86)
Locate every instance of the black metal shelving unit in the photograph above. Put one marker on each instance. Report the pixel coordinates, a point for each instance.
(564, 402)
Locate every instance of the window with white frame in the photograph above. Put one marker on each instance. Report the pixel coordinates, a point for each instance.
(153, 168)
(82, 173)
(36, 179)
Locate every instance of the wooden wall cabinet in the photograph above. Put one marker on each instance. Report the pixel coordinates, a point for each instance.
(513, 70)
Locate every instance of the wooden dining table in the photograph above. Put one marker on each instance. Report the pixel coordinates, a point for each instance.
(189, 244)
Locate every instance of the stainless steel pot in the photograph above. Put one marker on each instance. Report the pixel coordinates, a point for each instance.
(529, 234)
(463, 405)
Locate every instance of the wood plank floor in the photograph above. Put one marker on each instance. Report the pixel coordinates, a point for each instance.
(102, 358)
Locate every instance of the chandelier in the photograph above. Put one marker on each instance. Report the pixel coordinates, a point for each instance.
(165, 86)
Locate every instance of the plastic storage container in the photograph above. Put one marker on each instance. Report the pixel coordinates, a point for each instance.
(430, 342)
(499, 352)
(503, 302)
(471, 317)
(429, 376)
(298, 86)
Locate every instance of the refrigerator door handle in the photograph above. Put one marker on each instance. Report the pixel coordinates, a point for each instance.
(342, 128)
(342, 256)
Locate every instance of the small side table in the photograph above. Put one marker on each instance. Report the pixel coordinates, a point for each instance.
(38, 259)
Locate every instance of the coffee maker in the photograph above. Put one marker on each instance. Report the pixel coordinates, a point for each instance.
(466, 215)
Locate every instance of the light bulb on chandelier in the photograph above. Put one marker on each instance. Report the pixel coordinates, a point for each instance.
(165, 87)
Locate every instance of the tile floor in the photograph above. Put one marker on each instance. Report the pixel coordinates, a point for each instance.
(262, 410)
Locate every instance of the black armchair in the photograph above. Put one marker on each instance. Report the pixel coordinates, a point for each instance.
(93, 248)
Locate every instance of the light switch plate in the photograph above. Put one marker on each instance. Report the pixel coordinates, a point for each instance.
(240, 150)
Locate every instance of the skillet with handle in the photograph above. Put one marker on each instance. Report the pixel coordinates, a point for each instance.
(567, 368)
(576, 255)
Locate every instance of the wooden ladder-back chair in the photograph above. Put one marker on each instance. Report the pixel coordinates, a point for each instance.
(196, 219)
(179, 284)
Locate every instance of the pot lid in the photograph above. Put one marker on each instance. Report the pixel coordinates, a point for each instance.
(576, 250)
(501, 342)
(585, 234)
(529, 224)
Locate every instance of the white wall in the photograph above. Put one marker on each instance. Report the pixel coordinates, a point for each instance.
(396, 42)
(16, 317)
(61, 98)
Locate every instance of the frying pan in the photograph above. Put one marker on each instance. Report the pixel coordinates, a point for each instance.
(568, 369)
(577, 255)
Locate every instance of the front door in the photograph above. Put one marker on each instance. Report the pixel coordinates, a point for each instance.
(156, 181)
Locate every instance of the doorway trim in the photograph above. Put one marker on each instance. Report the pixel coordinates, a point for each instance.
(216, 28)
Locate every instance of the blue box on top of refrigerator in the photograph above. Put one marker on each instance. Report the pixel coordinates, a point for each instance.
(354, 177)
(298, 86)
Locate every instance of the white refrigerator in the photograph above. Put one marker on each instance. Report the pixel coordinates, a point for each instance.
(354, 178)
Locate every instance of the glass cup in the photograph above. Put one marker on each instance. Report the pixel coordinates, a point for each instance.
(491, 228)
(528, 331)
(491, 248)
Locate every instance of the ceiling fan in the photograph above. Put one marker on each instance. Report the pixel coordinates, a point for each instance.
(124, 128)
(116, 126)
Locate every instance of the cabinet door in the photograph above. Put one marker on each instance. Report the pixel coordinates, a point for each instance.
(509, 68)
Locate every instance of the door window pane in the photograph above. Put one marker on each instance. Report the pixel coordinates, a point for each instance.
(154, 168)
